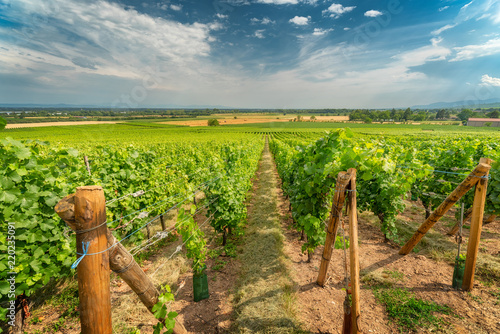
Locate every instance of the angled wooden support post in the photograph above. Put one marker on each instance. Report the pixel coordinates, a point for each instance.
(354, 254)
(490, 219)
(476, 226)
(333, 224)
(480, 171)
(87, 217)
(454, 229)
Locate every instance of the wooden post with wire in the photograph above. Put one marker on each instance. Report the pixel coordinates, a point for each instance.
(354, 253)
(472, 179)
(88, 219)
(121, 262)
(333, 224)
(476, 226)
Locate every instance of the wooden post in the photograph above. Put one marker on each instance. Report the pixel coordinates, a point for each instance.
(93, 271)
(476, 225)
(162, 221)
(354, 254)
(121, 262)
(467, 184)
(333, 224)
(454, 229)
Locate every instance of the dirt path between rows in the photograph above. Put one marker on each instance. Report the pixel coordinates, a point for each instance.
(265, 296)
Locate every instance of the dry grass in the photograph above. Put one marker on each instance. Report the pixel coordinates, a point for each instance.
(265, 300)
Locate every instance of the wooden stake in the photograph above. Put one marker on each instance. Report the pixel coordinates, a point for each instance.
(454, 229)
(354, 253)
(476, 225)
(467, 184)
(333, 224)
(93, 270)
(122, 263)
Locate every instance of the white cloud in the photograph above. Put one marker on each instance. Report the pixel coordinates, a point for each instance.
(443, 8)
(467, 5)
(279, 2)
(347, 28)
(490, 81)
(221, 16)
(469, 52)
(300, 20)
(320, 32)
(259, 33)
(176, 7)
(264, 21)
(336, 10)
(444, 28)
(106, 38)
(373, 13)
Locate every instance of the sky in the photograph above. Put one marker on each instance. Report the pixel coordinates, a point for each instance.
(249, 53)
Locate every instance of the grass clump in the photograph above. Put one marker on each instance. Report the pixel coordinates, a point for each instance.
(408, 312)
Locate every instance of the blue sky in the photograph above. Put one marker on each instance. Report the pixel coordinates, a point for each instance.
(249, 53)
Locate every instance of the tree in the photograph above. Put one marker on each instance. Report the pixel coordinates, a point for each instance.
(213, 122)
(494, 114)
(3, 123)
(442, 114)
(312, 118)
(407, 114)
(465, 114)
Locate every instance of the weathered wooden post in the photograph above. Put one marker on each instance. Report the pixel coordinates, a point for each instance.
(476, 226)
(480, 171)
(121, 262)
(333, 225)
(89, 223)
(354, 253)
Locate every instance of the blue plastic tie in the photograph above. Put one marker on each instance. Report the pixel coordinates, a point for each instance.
(85, 247)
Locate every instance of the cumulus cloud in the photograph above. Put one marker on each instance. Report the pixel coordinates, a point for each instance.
(300, 20)
(444, 28)
(176, 7)
(373, 13)
(336, 10)
(221, 16)
(490, 81)
(469, 52)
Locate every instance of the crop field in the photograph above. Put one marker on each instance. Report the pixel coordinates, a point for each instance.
(248, 205)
